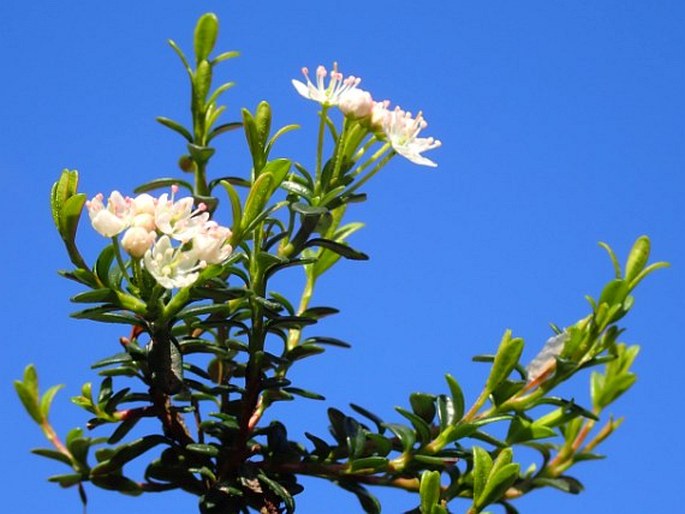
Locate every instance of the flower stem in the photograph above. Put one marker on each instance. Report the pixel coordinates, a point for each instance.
(319, 145)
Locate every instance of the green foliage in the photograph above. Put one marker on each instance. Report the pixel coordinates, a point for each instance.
(207, 359)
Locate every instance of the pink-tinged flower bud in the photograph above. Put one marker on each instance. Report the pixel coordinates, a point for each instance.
(137, 240)
(356, 103)
(144, 220)
(144, 204)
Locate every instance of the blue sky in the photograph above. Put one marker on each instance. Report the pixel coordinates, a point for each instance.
(562, 125)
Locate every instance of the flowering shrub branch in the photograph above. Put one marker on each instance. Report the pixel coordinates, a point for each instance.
(210, 347)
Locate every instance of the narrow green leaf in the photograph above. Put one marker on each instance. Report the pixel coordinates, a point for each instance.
(69, 216)
(380, 425)
(279, 168)
(176, 127)
(429, 491)
(47, 398)
(423, 405)
(522, 430)
(124, 428)
(117, 483)
(206, 32)
(163, 183)
(506, 359)
(341, 249)
(637, 258)
(61, 191)
(262, 121)
(28, 393)
(257, 199)
(482, 465)
(203, 449)
(563, 483)
(66, 480)
(376, 464)
(368, 502)
(225, 56)
(279, 491)
(405, 434)
(422, 428)
(498, 483)
(298, 189)
(127, 453)
(52, 454)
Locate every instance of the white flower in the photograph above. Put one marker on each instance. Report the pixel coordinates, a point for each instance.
(356, 103)
(137, 240)
(402, 132)
(171, 267)
(177, 218)
(544, 360)
(113, 219)
(327, 95)
(211, 244)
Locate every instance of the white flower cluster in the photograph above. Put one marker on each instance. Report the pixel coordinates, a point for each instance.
(400, 128)
(152, 223)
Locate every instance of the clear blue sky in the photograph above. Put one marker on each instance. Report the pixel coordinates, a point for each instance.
(562, 125)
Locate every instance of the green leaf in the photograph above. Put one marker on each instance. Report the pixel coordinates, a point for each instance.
(637, 258)
(422, 428)
(66, 480)
(355, 437)
(257, 199)
(209, 450)
(339, 248)
(279, 168)
(304, 393)
(126, 453)
(176, 127)
(506, 359)
(117, 483)
(380, 425)
(61, 191)
(457, 396)
(206, 32)
(321, 448)
(446, 412)
(563, 483)
(28, 393)
(423, 405)
(368, 502)
(522, 430)
(279, 491)
(95, 296)
(52, 454)
(123, 429)
(375, 464)
(405, 434)
(482, 465)
(69, 216)
(429, 490)
(298, 189)
(498, 483)
(47, 398)
(262, 120)
(163, 183)
(225, 56)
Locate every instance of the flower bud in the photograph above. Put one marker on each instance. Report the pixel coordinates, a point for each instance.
(356, 103)
(137, 240)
